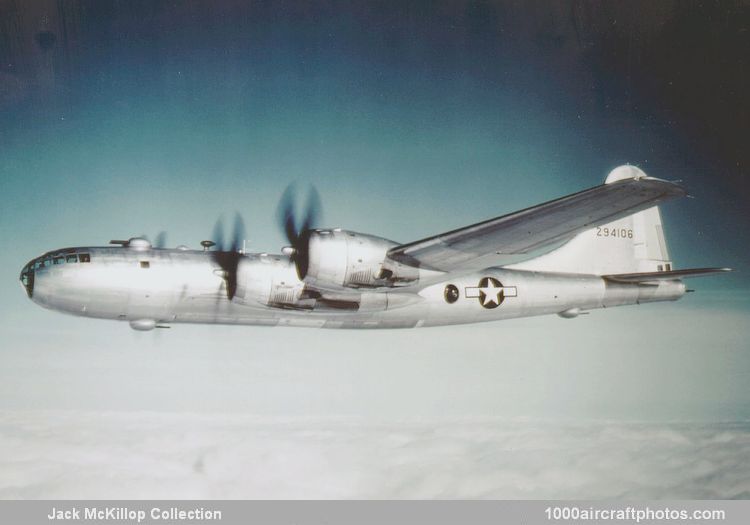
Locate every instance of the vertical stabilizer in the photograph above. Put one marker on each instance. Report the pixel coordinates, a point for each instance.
(633, 244)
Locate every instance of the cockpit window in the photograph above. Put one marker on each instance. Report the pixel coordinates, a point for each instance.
(84, 257)
(71, 258)
(58, 260)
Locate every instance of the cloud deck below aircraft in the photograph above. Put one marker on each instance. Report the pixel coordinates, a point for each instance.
(153, 455)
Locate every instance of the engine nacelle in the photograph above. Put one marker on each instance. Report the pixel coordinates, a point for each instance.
(270, 280)
(351, 259)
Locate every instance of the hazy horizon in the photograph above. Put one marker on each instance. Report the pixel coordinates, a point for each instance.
(135, 118)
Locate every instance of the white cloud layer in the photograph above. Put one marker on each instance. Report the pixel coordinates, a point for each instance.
(153, 455)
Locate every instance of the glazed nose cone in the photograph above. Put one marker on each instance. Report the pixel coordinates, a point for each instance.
(27, 278)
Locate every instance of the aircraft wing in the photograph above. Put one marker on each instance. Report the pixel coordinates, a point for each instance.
(526, 230)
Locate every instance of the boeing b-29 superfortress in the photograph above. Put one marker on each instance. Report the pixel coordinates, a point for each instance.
(613, 253)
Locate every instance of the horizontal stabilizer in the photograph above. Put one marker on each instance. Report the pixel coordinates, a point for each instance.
(662, 276)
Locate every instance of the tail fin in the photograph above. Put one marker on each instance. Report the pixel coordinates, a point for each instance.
(634, 244)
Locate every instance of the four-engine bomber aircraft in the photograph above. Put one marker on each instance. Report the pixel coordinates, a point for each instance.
(613, 253)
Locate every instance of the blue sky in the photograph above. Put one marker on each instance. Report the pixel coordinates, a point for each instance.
(409, 124)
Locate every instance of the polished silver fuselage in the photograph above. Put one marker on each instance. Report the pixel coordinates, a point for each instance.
(165, 286)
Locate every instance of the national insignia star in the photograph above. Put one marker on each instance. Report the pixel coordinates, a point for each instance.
(491, 293)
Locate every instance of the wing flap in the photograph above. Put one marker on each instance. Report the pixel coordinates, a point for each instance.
(526, 230)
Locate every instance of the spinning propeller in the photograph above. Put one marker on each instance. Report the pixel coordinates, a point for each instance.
(298, 231)
(160, 241)
(227, 254)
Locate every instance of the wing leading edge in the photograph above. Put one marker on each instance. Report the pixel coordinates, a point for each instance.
(526, 230)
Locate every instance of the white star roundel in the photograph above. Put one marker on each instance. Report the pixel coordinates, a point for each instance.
(491, 292)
